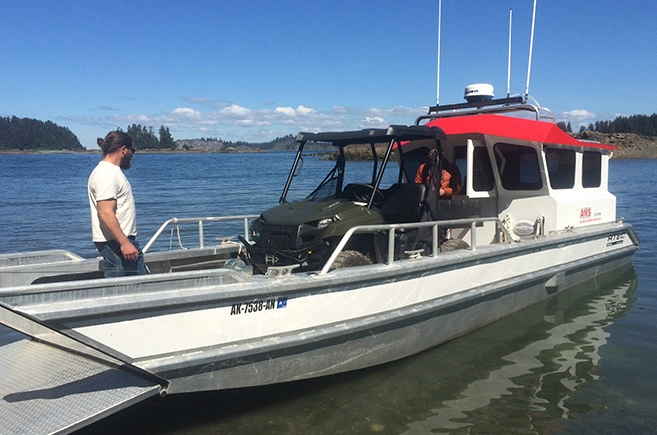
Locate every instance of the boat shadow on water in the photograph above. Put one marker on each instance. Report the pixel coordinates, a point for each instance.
(521, 373)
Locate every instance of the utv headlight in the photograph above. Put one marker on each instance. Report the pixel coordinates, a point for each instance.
(257, 225)
(323, 223)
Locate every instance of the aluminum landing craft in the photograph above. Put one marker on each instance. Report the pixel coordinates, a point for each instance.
(366, 269)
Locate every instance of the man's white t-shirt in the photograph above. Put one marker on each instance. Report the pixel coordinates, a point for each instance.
(106, 182)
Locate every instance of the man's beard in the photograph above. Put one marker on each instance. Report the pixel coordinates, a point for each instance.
(125, 162)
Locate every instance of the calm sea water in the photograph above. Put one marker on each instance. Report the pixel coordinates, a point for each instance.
(584, 363)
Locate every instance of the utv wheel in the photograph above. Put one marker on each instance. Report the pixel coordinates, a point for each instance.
(453, 245)
(350, 259)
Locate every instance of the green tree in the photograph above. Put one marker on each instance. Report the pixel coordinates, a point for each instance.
(143, 136)
(166, 140)
(31, 134)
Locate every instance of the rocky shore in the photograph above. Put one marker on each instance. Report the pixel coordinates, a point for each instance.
(628, 145)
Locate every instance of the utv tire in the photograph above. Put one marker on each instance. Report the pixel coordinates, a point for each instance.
(453, 245)
(350, 259)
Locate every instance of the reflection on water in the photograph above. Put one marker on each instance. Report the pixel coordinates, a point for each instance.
(521, 374)
(535, 385)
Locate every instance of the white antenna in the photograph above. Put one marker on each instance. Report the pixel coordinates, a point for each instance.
(508, 68)
(531, 45)
(438, 73)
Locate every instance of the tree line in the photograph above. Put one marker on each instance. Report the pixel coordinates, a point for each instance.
(26, 134)
(145, 138)
(642, 125)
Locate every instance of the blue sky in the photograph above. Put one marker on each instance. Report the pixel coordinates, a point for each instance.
(257, 70)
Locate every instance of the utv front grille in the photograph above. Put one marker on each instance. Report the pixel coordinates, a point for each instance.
(278, 237)
(275, 241)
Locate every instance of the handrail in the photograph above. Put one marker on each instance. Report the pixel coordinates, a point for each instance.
(175, 221)
(504, 109)
(393, 227)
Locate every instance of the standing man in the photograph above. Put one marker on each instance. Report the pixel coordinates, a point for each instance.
(113, 214)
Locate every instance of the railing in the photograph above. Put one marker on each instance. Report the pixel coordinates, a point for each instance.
(176, 221)
(392, 228)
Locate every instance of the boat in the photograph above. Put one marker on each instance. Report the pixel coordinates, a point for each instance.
(533, 219)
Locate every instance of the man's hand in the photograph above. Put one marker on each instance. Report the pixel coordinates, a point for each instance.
(129, 251)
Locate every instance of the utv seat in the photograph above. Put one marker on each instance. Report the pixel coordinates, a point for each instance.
(403, 203)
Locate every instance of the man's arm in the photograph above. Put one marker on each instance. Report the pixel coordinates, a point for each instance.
(108, 219)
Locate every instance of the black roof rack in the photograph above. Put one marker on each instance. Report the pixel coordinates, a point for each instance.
(374, 135)
(477, 104)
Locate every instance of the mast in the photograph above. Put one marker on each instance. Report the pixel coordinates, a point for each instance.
(438, 66)
(508, 68)
(531, 46)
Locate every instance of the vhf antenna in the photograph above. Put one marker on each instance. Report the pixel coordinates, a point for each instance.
(531, 45)
(508, 68)
(438, 73)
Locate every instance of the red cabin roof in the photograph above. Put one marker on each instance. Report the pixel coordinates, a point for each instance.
(510, 127)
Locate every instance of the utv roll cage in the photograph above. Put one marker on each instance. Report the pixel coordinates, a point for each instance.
(394, 135)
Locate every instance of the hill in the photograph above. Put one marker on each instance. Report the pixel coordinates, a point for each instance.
(285, 143)
(628, 145)
(26, 134)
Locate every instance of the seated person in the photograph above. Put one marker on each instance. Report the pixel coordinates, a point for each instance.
(450, 181)
(455, 180)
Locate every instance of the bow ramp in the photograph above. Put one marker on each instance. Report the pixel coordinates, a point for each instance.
(51, 384)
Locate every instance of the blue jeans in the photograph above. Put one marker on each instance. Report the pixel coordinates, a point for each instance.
(115, 265)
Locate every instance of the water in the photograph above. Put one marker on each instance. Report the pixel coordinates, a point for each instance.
(584, 363)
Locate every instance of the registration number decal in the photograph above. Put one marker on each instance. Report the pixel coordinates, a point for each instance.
(616, 239)
(258, 306)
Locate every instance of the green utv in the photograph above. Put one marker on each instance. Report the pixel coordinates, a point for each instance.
(303, 234)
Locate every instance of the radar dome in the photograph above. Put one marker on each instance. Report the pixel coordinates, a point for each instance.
(478, 92)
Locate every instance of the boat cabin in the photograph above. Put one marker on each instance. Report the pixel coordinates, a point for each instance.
(529, 173)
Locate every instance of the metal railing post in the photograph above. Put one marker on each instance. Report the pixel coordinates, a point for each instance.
(391, 246)
(434, 241)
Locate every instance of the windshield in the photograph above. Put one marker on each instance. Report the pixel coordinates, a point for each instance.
(318, 179)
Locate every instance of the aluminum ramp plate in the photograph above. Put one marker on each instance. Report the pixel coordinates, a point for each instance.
(45, 390)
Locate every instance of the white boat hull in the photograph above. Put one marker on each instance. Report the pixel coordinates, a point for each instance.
(210, 330)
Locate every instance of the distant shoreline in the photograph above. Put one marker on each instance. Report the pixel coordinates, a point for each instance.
(628, 146)
(148, 151)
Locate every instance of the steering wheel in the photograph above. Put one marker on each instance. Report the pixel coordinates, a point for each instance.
(363, 193)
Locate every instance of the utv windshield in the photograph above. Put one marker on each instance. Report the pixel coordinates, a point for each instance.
(355, 157)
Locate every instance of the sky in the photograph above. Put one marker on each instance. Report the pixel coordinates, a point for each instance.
(253, 71)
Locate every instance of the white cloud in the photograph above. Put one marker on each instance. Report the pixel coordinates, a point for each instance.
(237, 111)
(237, 122)
(287, 111)
(577, 118)
(372, 121)
(305, 111)
(578, 114)
(186, 112)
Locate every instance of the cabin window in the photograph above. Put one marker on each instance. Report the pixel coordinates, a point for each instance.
(561, 167)
(591, 169)
(482, 177)
(518, 167)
